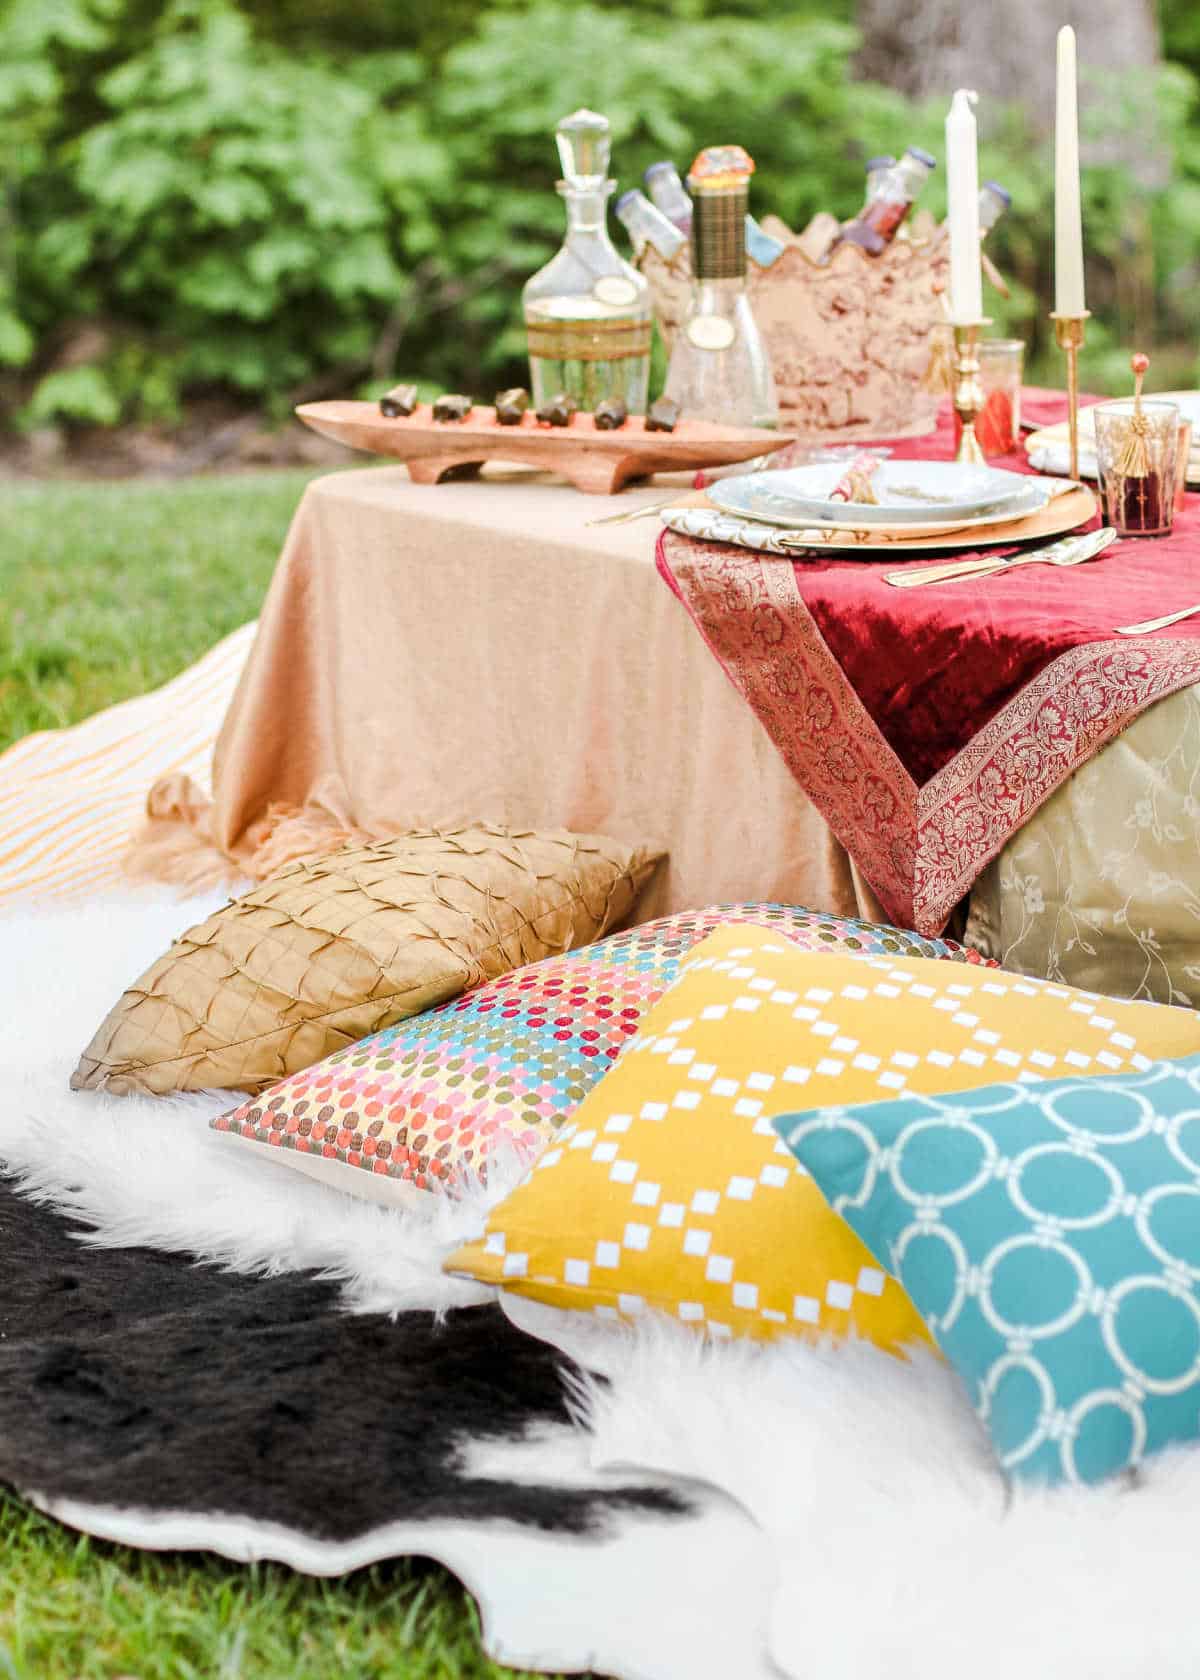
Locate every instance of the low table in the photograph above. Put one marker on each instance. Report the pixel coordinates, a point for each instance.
(432, 654)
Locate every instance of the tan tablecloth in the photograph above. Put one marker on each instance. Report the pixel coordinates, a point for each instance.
(435, 654)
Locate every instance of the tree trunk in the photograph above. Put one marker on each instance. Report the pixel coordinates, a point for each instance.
(1004, 49)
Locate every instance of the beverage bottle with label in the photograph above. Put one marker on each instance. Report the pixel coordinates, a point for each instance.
(889, 200)
(646, 225)
(719, 369)
(587, 312)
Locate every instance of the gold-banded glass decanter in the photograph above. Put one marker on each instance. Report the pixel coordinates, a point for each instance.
(587, 312)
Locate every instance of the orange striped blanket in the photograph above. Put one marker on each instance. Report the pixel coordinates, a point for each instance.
(70, 799)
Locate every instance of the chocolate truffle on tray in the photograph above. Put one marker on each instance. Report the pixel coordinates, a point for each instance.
(558, 411)
(610, 415)
(399, 402)
(663, 415)
(511, 406)
(452, 408)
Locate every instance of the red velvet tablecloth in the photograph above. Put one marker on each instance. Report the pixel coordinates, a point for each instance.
(927, 725)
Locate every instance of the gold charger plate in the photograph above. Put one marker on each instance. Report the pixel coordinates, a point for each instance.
(1064, 513)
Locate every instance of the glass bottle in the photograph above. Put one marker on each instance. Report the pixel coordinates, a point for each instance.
(646, 225)
(587, 312)
(877, 167)
(761, 247)
(994, 200)
(719, 368)
(875, 226)
(666, 190)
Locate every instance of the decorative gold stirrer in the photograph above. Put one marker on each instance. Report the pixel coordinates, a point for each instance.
(1069, 333)
(1134, 459)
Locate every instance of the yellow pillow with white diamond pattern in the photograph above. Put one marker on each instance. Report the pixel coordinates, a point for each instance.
(669, 1189)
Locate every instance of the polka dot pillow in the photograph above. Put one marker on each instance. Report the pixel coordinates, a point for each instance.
(422, 1105)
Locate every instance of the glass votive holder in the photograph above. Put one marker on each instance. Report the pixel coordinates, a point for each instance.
(1137, 449)
(1001, 365)
(998, 423)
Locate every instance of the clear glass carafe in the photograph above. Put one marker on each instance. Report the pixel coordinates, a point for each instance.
(719, 368)
(588, 312)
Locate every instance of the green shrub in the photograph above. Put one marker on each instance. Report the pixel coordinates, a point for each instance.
(247, 196)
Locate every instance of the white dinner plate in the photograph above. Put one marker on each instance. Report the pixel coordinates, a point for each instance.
(909, 492)
(1033, 498)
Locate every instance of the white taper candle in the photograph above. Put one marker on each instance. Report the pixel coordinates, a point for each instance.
(1068, 222)
(962, 189)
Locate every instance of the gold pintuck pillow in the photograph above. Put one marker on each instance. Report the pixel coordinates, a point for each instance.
(333, 948)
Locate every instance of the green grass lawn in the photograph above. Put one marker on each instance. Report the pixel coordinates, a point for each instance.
(106, 591)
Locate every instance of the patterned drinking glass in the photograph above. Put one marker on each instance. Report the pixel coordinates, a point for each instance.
(1137, 448)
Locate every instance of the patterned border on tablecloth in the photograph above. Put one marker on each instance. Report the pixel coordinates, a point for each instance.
(920, 849)
(973, 805)
(780, 664)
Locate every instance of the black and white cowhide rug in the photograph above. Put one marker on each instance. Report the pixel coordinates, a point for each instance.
(202, 1351)
(164, 1404)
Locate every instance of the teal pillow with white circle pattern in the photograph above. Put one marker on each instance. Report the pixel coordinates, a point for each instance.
(1049, 1235)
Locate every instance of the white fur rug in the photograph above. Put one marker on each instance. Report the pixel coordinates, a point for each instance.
(857, 1528)
(147, 1170)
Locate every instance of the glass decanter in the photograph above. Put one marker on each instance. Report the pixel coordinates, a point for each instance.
(719, 368)
(587, 312)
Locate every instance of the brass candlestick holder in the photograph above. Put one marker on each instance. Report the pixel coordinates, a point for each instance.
(1069, 335)
(968, 392)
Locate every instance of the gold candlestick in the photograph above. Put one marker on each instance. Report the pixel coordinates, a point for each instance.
(1069, 334)
(968, 393)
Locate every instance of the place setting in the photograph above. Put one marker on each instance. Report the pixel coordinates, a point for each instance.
(915, 506)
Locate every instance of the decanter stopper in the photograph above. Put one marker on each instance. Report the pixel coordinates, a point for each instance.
(583, 148)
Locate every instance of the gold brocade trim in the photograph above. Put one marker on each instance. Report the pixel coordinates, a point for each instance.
(588, 341)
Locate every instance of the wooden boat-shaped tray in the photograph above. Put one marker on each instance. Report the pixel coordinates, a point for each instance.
(595, 461)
